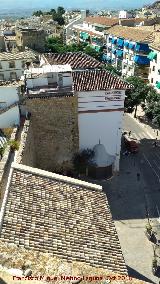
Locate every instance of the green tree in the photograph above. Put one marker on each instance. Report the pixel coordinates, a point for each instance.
(137, 95)
(37, 13)
(152, 106)
(60, 10)
(59, 19)
(112, 69)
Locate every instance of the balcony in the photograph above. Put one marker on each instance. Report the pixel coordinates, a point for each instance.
(141, 60)
(125, 61)
(142, 47)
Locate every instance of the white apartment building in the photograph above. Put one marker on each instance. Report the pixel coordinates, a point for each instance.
(12, 65)
(154, 74)
(68, 29)
(128, 49)
(124, 15)
(92, 30)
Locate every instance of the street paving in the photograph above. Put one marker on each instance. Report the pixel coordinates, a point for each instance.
(131, 200)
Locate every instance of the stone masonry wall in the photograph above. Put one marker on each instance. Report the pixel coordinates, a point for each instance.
(26, 154)
(55, 129)
(5, 164)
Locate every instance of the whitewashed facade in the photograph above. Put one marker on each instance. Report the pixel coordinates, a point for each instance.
(100, 115)
(12, 65)
(9, 109)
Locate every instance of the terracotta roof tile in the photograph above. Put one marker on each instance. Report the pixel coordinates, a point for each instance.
(97, 80)
(132, 33)
(102, 20)
(63, 216)
(77, 60)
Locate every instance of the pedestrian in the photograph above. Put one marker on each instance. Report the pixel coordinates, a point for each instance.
(155, 143)
(129, 133)
(157, 132)
(138, 176)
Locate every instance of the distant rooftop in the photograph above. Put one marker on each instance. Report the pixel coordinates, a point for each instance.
(9, 83)
(102, 20)
(17, 55)
(68, 218)
(133, 33)
(77, 60)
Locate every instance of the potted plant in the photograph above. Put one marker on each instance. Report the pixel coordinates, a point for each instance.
(154, 266)
(14, 145)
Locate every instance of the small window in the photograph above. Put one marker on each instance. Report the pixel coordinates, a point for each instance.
(153, 69)
(151, 80)
(13, 76)
(11, 64)
(23, 64)
(1, 77)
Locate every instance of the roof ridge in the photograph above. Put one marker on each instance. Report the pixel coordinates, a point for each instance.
(55, 176)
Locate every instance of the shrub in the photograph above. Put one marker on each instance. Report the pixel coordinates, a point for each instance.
(14, 145)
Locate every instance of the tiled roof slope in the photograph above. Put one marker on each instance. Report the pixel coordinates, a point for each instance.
(102, 20)
(69, 218)
(77, 60)
(132, 33)
(155, 45)
(97, 80)
(18, 55)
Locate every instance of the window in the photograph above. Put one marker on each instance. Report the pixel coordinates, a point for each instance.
(1, 77)
(153, 68)
(13, 76)
(3, 105)
(151, 80)
(23, 64)
(11, 64)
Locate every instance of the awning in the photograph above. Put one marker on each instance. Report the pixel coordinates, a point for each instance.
(119, 53)
(106, 58)
(131, 45)
(142, 60)
(120, 42)
(97, 48)
(126, 44)
(142, 47)
(158, 85)
(114, 40)
(84, 35)
(152, 55)
(94, 38)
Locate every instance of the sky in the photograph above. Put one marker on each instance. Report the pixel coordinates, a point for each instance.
(91, 4)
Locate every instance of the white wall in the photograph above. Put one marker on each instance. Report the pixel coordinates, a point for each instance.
(67, 79)
(99, 118)
(69, 27)
(6, 70)
(154, 75)
(37, 82)
(9, 94)
(10, 118)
